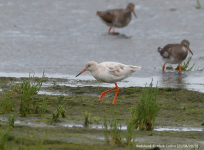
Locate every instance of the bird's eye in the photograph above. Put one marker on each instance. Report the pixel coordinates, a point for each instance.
(89, 65)
(185, 44)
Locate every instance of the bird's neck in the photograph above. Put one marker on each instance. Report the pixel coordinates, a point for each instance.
(127, 14)
(128, 10)
(95, 71)
(184, 48)
(95, 68)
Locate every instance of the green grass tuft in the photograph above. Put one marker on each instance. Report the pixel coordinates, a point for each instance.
(198, 5)
(88, 119)
(115, 132)
(130, 132)
(11, 120)
(26, 90)
(197, 148)
(144, 113)
(4, 135)
(60, 111)
(6, 105)
(185, 66)
(106, 132)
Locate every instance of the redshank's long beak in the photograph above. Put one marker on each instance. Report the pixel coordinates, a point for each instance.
(190, 50)
(81, 72)
(134, 13)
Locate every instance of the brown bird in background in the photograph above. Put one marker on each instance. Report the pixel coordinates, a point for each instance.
(118, 18)
(175, 53)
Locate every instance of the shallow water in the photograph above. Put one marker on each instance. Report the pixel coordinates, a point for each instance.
(61, 36)
(167, 79)
(92, 126)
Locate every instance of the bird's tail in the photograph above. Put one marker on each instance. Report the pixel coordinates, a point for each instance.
(134, 68)
(98, 13)
(159, 49)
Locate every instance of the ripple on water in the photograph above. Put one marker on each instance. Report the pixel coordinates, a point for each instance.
(100, 127)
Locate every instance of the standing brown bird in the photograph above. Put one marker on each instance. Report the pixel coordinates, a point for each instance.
(175, 53)
(118, 18)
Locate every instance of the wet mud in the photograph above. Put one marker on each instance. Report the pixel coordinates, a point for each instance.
(59, 37)
(179, 121)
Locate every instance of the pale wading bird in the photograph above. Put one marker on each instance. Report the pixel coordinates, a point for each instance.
(117, 18)
(109, 72)
(175, 53)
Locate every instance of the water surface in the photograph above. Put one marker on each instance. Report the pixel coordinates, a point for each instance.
(59, 37)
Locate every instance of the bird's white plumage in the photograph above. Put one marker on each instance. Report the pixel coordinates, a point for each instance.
(184, 49)
(110, 72)
(172, 60)
(165, 55)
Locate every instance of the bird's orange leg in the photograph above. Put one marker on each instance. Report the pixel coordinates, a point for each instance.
(113, 31)
(179, 68)
(164, 66)
(104, 93)
(109, 29)
(116, 94)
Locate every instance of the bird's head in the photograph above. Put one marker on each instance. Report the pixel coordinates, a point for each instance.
(90, 66)
(186, 43)
(131, 7)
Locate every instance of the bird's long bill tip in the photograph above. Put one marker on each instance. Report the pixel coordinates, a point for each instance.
(190, 50)
(81, 72)
(134, 13)
(78, 74)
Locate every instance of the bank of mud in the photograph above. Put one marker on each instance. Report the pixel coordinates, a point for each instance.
(179, 108)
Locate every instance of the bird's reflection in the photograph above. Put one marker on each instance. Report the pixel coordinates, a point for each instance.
(173, 79)
(119, 35)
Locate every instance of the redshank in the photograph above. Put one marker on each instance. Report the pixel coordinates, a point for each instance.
(117, 17)
(175, 53)
(109, 72)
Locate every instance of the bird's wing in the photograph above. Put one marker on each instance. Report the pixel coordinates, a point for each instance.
(112, 72)
(113, 68)
(166, 51)
(118, 69)
(108, 16)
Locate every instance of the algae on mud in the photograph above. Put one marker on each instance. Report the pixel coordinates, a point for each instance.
(178, 107)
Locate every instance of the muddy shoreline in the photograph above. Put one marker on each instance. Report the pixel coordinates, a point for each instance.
(180, 109)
